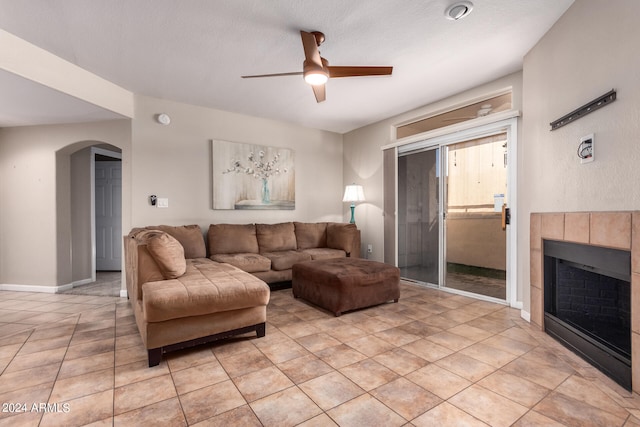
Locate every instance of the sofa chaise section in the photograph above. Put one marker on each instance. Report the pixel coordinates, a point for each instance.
(179, 302)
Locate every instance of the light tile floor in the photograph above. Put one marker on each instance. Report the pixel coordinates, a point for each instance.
(431, 359)
(482, 285)
(108, 283)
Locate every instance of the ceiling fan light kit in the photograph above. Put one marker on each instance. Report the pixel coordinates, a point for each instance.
(314, 75)
(458, 10)
(316, 78)
(317, 71)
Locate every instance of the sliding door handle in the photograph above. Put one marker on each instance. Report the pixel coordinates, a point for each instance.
(506, 216)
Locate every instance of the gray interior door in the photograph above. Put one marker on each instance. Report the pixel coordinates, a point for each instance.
(108, 208)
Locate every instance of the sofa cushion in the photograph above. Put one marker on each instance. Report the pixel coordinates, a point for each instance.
(167, 252)
(325, 253)
(206, 287)
(340, 236)
(251, 263)
(232, 239)
(284, 260)
(311, 235)
(276, 237)
(189, 236)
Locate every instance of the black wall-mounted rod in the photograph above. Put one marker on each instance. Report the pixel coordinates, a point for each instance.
(587, 108)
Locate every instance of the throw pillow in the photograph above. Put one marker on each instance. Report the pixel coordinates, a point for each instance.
(168, 253)
(189, 236)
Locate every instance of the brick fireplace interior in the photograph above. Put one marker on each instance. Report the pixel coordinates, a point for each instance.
(617, 230)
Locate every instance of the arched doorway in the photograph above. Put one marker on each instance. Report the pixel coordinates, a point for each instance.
(91, 194)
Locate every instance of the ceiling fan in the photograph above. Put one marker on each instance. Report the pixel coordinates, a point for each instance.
(316, 70)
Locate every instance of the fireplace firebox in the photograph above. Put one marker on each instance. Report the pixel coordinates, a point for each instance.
(587, 304)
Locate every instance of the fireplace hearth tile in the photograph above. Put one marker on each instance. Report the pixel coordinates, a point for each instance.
(536, 268)
(535, 239)
(552, 226)
(635, 242)
(612, 229)
(536, 306)
(635, 302)
(576, 227)
(635, 353)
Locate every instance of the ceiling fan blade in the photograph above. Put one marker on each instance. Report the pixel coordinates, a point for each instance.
(316, 69)
(346, 71)
(311, 52)
(294, 73)
(320, 92)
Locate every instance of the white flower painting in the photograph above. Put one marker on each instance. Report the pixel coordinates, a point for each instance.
(247, 176)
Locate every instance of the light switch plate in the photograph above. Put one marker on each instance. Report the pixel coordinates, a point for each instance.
(163, 202)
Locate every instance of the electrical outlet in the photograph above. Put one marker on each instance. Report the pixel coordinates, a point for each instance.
(585, 149)
(369, 248)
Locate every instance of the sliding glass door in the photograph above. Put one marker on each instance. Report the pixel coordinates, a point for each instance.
(452, 222)
(418, 215)
(475, 191)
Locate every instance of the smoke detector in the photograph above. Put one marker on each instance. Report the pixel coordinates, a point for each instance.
(458, 10)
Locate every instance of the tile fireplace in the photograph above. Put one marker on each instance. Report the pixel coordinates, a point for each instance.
(587, 304)
(584, 279)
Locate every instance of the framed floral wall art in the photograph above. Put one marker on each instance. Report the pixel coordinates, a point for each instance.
(248, 176)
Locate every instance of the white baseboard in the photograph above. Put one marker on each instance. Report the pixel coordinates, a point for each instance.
(82, 282)
(525, 315)
(518, 305)
(123, 293)
(35, 288)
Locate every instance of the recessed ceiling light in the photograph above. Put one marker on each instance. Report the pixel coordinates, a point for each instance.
(458, 10)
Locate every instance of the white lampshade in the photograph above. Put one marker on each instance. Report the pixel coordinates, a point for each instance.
(353, 193)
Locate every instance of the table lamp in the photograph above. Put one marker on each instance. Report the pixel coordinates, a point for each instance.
(353, 193)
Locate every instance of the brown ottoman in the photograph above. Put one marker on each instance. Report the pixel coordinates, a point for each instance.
(343, 284)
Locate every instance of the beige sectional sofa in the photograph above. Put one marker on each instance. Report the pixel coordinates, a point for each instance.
(268, 251)
(183, 298)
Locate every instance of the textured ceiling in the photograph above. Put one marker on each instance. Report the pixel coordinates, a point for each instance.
(195, 52)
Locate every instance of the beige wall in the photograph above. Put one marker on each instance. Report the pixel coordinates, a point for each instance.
(81, 183)
(589, 51)
(169, 161)
(35, 192)
(174, 161)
